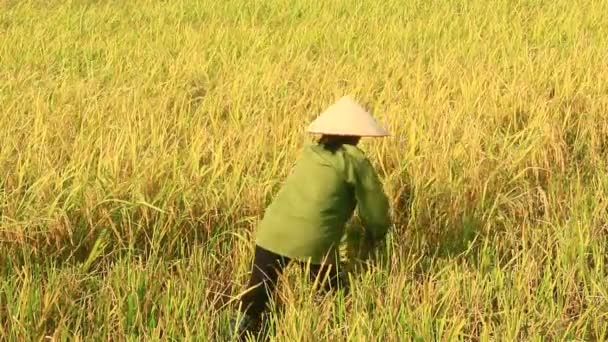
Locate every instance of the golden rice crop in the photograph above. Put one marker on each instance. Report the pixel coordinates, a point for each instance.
(140, 142)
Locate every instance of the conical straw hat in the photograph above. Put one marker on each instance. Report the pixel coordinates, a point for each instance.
(346, 117)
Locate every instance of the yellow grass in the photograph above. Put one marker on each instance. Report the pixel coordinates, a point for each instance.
(140, 142)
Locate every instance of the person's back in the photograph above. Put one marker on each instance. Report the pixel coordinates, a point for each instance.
(307, 217)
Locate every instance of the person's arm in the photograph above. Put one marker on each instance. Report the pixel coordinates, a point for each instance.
(372, 202)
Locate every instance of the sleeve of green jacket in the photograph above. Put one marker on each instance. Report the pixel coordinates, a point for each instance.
(372, 202)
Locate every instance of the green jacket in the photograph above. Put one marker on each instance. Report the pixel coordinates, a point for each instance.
(307, 218)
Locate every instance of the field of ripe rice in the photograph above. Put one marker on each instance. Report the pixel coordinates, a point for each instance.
(140, 142)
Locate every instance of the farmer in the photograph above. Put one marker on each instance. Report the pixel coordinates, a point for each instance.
(306, 221)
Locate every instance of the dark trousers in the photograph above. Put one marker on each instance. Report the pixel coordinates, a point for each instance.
(267, 267)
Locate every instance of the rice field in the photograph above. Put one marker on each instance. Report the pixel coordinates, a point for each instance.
(140, 142)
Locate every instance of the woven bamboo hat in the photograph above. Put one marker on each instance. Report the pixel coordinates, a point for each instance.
(347, 117)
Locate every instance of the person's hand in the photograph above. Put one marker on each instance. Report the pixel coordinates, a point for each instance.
(360, 250)
(374, 252)
(351, 249)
